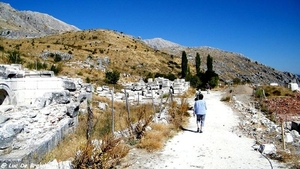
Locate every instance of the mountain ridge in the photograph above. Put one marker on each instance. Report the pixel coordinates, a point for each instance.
(127, 52)
(245, 71)
(28, 24)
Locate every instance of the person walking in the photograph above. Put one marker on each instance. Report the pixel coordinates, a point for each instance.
(207, 88)
(200, 112)
(198, 92)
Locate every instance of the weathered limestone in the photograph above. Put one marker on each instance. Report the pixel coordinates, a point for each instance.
(267, 149)
(37, 110)
(144, 92)
(293, 86)
(256, 125)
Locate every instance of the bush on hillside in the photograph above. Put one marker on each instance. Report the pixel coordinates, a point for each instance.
(14, 57)
(112, 77)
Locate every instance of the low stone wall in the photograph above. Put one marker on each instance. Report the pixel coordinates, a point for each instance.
(26, 90)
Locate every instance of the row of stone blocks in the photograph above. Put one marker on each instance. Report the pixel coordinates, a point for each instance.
(30, 158)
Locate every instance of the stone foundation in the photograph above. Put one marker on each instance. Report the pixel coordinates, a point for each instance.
(27, 158)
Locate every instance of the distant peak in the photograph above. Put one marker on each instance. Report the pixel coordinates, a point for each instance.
(159, 43)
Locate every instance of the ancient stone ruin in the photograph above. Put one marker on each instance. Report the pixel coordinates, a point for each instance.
(37, 110)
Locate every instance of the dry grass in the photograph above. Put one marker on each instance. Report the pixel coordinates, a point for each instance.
(141, 115)
(225, 99)
(67, 148)
(154, 139)
(273, 91)
(103, 156)
(289, 158)
(102, 126)
(189, 93)
(178, 113)
(126, 53)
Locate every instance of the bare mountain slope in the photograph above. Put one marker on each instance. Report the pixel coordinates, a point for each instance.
(159, 43)
(18, 24)
(228, 65)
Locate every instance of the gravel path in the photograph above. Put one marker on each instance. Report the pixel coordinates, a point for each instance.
(217, 147)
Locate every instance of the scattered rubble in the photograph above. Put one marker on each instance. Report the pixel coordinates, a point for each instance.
(36, 112)
(268, 134)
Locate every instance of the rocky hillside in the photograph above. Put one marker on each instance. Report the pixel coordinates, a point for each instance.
(89, 53)
(18, 24)
(228, 65)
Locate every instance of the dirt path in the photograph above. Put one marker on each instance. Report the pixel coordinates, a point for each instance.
(217, 147)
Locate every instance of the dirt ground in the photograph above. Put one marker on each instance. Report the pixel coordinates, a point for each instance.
(217, 147)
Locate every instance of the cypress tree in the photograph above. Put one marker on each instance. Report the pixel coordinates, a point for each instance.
(184, 63)
(210, 76)
(198, 63)
(209, 63)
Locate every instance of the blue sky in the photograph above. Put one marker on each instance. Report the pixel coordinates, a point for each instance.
(267, 31)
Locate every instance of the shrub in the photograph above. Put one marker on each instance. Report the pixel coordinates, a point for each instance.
(14, 57)
(144, 119)
(88, 80)
(178, 113)
(225, 99)
(259, 93)
(56, 69)
(57, 58)
(112, 77)
(236, 81)
(37, 65)
(104, 156)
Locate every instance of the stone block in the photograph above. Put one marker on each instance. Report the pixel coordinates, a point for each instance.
(289, 138)
(267, 149)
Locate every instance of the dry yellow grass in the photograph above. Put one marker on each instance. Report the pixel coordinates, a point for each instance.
(290, 158)
(104, 156)
(163, 128)
(156, 137)
(275, 91)
(126, 53)
(178, 113)
(67, 148)
(102, 126)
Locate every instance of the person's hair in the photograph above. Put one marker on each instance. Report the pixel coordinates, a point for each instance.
(200, 96)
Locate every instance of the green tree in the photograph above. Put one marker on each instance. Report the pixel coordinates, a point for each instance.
(236, 81)
(171, 76)
(210, 76)
(209, 63)
(112, 77)
(194, 81)
(184, 64)
(214, 81)
(14, 57)
(198, 63)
